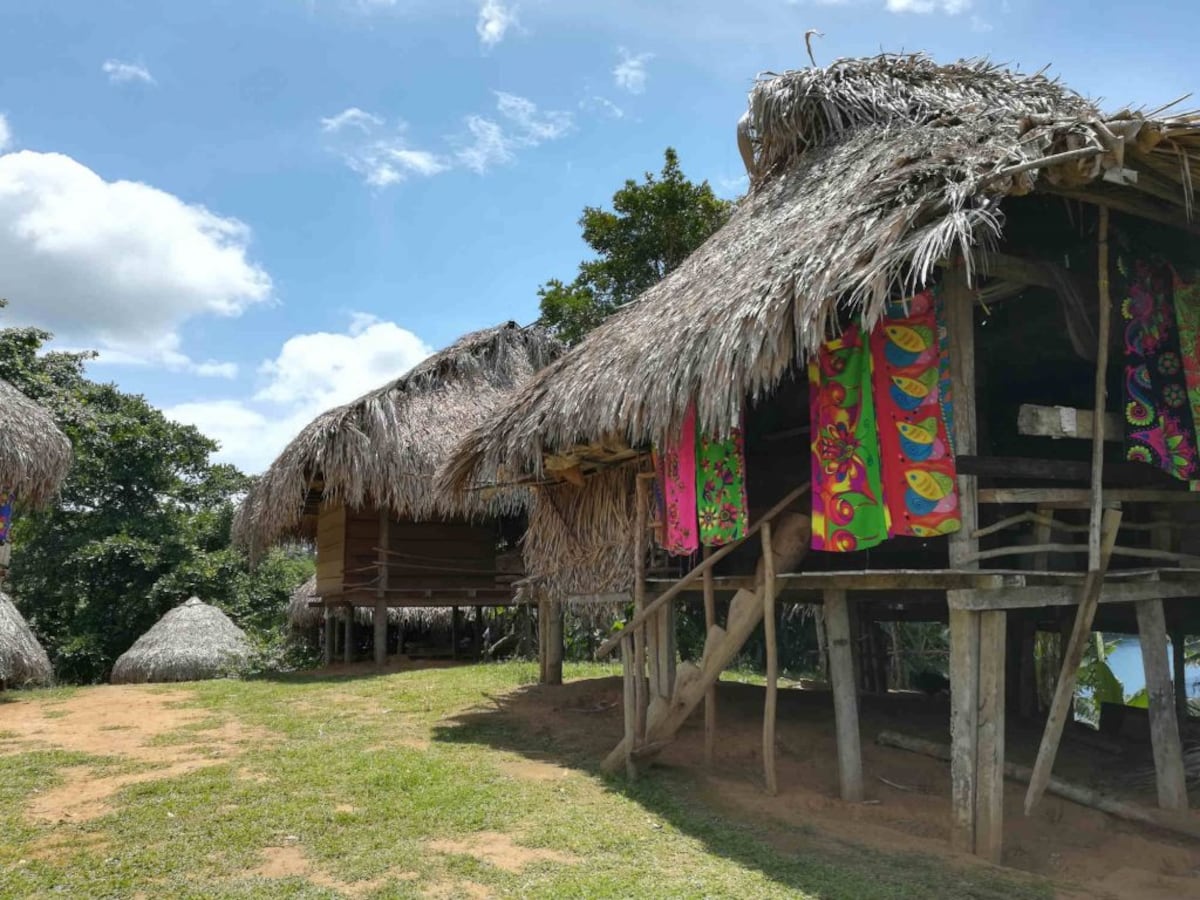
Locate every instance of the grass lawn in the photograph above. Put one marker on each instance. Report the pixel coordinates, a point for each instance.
(400, 786)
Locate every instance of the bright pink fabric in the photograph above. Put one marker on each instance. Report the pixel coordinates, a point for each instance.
(682, 536)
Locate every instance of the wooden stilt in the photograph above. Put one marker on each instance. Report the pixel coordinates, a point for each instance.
(330, 636)
(454, 632)
(989, 778)
(964, 725)
(772, 662)
(379, 620)
(477, 634)
(543, 619)
(666, 651)
(710, 696)
(630, 705)
(845, 696)
(1164, 728)
(640, 523)
(554, 645)
(1179, 672)
(348, 631)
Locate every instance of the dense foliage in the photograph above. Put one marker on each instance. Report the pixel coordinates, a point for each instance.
(142, 523)
(652, 228)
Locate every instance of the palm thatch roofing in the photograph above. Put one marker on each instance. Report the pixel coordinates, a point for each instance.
(34, 455)
(192, 642)
(383, 448)
(305, 611)
(22, 659)
(864, 175)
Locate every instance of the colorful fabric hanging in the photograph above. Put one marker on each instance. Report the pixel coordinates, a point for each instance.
(6, 505)
(945, 384)
(721, 488)
(679, 490)
(847, 491)
(919, 477)
(1187, 317)
(1159, 426)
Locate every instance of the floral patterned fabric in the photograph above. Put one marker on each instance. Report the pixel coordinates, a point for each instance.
(1159, 425)
(918, 473)
(721, 489)
(847, 491)
(680, 536)
(1187, 317)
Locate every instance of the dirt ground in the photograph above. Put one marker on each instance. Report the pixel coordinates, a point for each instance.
(1087, 852)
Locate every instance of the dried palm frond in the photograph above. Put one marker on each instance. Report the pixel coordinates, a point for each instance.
(192, 642)
(34, 455)
(22, 659)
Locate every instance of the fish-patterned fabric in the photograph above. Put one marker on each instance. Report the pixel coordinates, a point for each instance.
(1159, 426)
(847, 491)
(918, 473)
(721, 489)
(680, 535)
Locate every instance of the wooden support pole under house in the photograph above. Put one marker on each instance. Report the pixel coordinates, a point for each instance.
(845, 695)
(769, 623)
(641, 522)
(710, 696)
(1160, 693)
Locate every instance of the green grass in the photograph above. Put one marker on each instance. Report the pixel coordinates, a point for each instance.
(363, 774)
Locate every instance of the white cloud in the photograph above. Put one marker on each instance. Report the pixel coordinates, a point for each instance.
(495, 19)
(311, 373)
(119, 72)
(630, 72)
(488, 146)
(533, 126)
(6, 138)
(605, 106)
(489, 143)
(164, 355)
(980, 25)
(924, 7)
(351, 118)
(118, 266)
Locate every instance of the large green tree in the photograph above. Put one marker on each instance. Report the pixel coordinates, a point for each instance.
(143, 521)
(652, 227)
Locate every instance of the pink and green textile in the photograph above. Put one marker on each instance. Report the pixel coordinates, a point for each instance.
(721, 489)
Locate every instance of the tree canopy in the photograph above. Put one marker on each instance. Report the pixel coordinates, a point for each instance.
(652, 228)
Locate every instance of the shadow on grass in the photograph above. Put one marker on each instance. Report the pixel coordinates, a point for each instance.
(796, 857)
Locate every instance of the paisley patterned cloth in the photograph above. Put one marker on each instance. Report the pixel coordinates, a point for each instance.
(6, 505)
(847, 492)
(1187, 317)
(919, 478)
(721, 489)
(680, 536)
(1159, 426)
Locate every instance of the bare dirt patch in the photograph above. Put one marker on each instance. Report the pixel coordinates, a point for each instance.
(291, 862)
(499, 850)
(126, 722)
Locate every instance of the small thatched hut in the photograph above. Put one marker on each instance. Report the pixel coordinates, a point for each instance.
(991, 205)
(359, 481)
(192, 642)
(22, 659)
(34, 455)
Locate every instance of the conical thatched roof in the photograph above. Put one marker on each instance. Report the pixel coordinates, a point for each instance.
(386, 445)
(192, 642)
(34, 454)
(302, 615)
(22, 659)
(863, 176)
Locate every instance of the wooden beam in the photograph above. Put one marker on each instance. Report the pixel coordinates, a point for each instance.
(1164, 727)
(710, 696)
(964, 726)
(989, 777)
(1124, 474)
(845, 696)
(554, 642)
(772, 673)
(1126, 202)
(1064, 422)
(1081, 497)
(719, 554)
(629, 696)
(1036, 597)
(1063, 703)
(1096, 510)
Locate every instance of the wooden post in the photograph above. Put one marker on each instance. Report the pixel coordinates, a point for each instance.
(964, 626)
(1102, 535)
(630, 703)
(330, 636)
(348, 631)
(772, 662)
(379, 619)
(543, 619)
(1164, 728)
(665, 651)
(640, 523)
(710, 696)
(477, 635)
(989, 778)
(454, 632)
(845, 695)
(554, 643)
(1179, 671)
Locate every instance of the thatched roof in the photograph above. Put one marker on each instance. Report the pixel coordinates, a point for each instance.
(385, 446)
(22, 659)
(864, 175)
(302, 614)
(34, 454)
(192, 642)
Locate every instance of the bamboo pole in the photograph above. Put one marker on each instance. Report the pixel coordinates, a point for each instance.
(710, 696)
(680, 586)
(772, 662)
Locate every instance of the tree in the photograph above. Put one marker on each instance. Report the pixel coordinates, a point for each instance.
(143, 521)
(652, 228)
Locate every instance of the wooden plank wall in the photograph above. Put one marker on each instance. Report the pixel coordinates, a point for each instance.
(331, 549)
(426, 555)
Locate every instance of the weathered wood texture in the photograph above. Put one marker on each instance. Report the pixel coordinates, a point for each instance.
(710, 696)
(989, 778)
(845, 696)
(1164, 727)
(331, 549)
(330, 636)
(1064, 422)
(640, 523)
(772, 674)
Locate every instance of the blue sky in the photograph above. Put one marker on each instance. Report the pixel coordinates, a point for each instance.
(257, 208)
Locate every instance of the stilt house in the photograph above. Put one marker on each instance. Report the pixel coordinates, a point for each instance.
(947, 340)
(358, 481)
